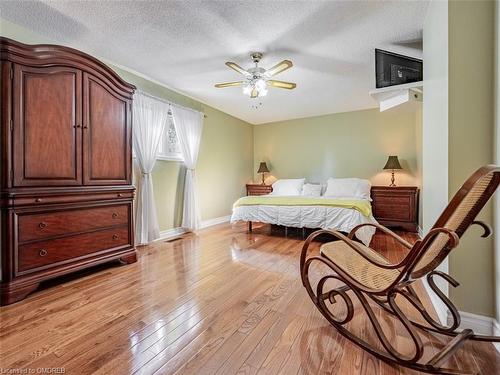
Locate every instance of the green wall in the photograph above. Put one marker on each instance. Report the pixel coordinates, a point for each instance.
(226, 151)
(351, 144)
(471, 26)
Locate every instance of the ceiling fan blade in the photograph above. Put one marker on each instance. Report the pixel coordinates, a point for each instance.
(278, 68)
(237, 68)
(282, 85)
(229, 84)
(254, 93)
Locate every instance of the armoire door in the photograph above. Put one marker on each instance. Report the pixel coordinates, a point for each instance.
(46, 129)
(106, 134)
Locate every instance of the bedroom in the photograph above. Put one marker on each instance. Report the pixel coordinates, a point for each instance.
(198, 294)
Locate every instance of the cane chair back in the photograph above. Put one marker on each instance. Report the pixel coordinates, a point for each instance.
(457, 217)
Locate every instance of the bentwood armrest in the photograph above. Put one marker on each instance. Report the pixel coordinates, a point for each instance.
(434, 232)
(486, 228)
(400, 239)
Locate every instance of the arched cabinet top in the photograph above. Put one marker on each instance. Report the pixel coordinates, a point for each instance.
(45, 55)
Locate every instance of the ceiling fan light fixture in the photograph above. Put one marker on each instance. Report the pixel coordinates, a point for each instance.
(256, 86)
(247, 89)
(258, 79)
(261, 84)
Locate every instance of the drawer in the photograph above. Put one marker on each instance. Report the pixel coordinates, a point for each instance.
(392, 208)
(39, 199)
(259, 189)
(258, 192)
(41, 253)
(50, 224)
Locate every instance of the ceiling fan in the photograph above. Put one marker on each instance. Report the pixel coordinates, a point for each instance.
(257, 79)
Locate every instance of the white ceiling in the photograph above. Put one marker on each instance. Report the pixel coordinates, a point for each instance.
(184, 44)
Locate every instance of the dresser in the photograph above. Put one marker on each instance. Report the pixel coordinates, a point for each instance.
(396, 206)
(66, 194)
(258, 189)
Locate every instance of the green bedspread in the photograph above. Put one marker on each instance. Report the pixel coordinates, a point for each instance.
(360, 205)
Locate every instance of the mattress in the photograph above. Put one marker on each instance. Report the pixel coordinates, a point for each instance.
(314, 216)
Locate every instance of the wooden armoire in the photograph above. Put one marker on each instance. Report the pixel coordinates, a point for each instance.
(66, 191)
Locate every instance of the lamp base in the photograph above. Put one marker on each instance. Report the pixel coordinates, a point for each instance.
(263, 183)
(392, 179)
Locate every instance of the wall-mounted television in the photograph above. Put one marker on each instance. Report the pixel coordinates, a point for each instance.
(394, 69)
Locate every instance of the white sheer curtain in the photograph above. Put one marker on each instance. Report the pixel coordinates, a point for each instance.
(189, 126)
(150, 118)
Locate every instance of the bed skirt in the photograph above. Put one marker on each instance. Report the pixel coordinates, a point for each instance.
(314, 217)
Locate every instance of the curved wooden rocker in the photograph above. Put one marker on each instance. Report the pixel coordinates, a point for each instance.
(368, 276)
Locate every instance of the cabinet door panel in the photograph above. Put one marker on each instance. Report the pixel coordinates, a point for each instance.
(47, 141)
(106, 134)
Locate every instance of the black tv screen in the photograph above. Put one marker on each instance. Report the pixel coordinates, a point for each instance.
(394, 69)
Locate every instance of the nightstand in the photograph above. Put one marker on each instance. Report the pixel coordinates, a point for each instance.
(396, 206)
(258, 189)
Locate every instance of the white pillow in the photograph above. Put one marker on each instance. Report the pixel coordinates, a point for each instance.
(348, 188)
(290, 186)
(312, 190)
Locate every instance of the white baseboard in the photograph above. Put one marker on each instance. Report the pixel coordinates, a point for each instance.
(176, 232)
(496, 332)
(211, 222)
(420, 232)
(480, 324)
(171, 233)
(496, 328)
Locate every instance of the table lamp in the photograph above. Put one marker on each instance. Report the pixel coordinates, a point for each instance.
(263, 169)
(392, 164)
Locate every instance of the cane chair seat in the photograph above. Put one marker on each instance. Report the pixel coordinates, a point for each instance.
(359, 268)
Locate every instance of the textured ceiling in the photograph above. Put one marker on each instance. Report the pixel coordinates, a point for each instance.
(184, 45)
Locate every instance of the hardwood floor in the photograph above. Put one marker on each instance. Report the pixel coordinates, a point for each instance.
(220, 302)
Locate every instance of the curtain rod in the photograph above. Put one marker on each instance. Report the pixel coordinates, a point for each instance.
(168, 102)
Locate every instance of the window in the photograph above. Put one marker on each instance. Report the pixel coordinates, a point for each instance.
(169, 146)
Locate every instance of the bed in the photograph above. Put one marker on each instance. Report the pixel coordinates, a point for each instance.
(299, 211)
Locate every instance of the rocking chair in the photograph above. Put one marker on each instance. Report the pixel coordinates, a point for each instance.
(371, 277)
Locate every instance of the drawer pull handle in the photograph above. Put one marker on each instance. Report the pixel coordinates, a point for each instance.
(42, 225)
(115, 215)
(115, 236)
(120, 195)
(42, 252)
(38, 200)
